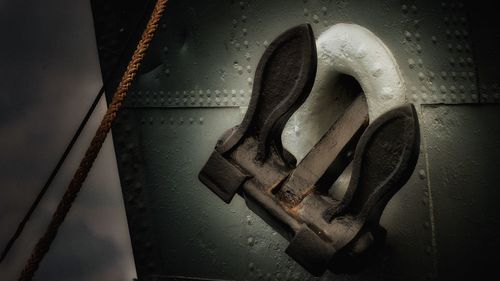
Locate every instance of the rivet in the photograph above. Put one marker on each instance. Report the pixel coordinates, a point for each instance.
(421, 174)
(407, 35)
(421, 76)
(414, 9)
(411, 63)
(315, 19)
(404, 8)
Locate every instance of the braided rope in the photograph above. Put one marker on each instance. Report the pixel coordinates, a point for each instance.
(81, 173)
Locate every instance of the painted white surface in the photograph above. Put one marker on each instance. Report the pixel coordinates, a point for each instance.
(345, 49)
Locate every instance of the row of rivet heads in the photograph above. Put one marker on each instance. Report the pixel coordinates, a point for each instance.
(453, 6)
(178, 120)
(240, 41)
(442, 86)
(192, 98)
(172, 121)
(316, 19)
(238, 38)
(443, 94)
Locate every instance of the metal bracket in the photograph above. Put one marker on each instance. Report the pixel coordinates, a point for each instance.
(249, 159)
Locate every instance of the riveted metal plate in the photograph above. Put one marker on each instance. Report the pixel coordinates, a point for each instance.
(196, 82)
(431, 41)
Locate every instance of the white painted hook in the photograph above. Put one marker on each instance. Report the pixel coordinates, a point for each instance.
(345, 49)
